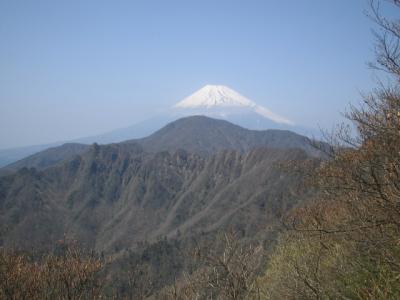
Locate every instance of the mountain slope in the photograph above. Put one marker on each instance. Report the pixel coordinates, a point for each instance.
(48, 157)
(112, 197)
(9, 156)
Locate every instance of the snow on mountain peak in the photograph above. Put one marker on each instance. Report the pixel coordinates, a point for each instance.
(212, 96)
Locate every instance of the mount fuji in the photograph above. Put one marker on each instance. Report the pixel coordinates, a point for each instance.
(223, 102)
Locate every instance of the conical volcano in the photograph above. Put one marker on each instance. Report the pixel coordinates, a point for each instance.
(222, 101)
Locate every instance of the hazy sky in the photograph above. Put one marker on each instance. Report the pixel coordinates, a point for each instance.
(76, 68)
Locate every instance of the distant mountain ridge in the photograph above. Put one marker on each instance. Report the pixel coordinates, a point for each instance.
(207, 136)
(49, 157)
(197, 134)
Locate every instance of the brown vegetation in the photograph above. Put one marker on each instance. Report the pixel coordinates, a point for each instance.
(70, 274)
(345, 244)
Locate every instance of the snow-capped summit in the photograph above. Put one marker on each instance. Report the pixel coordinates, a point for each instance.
(222, 97)
(215, 95)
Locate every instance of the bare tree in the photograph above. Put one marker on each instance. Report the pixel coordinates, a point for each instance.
(229, 272)
(73, 274)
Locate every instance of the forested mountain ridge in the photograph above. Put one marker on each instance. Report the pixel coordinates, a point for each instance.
(113, 196)
(197, 134)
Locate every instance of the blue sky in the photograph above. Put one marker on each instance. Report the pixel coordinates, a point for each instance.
(76, 68)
